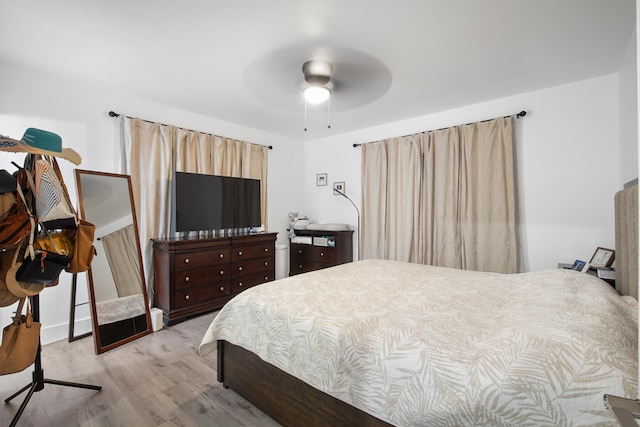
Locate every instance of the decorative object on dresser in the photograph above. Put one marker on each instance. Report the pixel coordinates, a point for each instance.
(315, 249)
(196, 275)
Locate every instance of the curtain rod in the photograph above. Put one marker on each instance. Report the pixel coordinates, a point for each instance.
(520, 114)
(114, 114)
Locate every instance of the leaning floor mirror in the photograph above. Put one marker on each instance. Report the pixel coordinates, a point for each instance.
(117, 290)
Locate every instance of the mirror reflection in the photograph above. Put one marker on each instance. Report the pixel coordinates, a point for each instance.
(117, 289)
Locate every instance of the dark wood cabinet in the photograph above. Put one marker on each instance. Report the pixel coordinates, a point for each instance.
(327, 248)
(193, 276)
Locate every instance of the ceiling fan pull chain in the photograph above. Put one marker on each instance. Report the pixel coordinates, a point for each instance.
(329, 113)
(305, 115)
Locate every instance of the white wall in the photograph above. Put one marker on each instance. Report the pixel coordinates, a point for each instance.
(568, 155)
(79, 114)
(628, 93)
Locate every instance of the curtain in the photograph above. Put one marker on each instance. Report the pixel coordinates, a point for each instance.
(152, 152)
(120, 249)
(392, 199)
(444, 197)
(147, 156)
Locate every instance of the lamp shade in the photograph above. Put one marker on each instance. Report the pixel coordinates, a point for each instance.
(316, 94)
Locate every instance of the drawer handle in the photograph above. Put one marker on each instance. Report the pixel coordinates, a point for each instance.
(266, 263)
(266, 277)
(186, 297)
(299, 251)
(321, 253)
(240, 253)
(186, 260)
(222, 272)
(240, 284)
(221, 288)
(186, 279)
(221, 256)
(300, 266)
(266, 249)
(240, 268)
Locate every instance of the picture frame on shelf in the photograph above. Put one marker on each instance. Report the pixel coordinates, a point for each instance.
(578, 265)
(602, 258)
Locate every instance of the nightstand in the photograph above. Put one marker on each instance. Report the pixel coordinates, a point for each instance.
(606, 274)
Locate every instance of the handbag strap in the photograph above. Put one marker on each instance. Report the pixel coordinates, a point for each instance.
(29, 316)
(31, 219)
(17, 319)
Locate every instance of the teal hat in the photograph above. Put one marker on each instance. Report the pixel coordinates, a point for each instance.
(38, 141)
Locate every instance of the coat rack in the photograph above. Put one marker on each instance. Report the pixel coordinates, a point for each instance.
(38, 380)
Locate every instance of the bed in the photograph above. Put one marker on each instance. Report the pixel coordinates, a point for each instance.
(380, 342)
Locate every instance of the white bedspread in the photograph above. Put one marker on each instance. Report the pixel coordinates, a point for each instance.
(417, 345)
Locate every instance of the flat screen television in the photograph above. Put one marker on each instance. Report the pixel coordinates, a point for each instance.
(211, 202)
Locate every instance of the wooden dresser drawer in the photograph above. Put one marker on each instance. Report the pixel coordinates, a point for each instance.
(200, 276)
(252, 251)
(314, 253)
(186, 297)
(252, 266)
(303, 265)
(241, 283)
(206, 258)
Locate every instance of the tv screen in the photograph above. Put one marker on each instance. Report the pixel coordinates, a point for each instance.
(213, 202)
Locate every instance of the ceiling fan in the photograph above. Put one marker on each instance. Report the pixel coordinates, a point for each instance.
(348, 78)
(317, 73)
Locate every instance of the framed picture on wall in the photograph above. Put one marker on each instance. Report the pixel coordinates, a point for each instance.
(602, 258)
(321, 179)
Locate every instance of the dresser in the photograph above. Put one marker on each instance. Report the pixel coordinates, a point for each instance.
(327, 248)
(196, 275)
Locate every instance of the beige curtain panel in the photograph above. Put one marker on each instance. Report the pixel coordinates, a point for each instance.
(151, 152)
(444, 197)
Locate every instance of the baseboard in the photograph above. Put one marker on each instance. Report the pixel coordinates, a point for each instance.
(50, 334)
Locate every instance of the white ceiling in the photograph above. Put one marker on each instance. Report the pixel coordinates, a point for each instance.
(240, 61)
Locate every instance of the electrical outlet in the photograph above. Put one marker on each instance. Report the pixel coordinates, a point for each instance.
(338, 186)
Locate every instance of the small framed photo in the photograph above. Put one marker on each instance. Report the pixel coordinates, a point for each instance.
(321, 179)
(602, 258)
(578, 265)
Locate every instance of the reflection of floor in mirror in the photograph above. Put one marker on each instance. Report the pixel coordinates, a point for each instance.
(156, 380)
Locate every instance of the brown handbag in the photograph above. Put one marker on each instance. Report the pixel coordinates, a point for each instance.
(20, 341)
(15, 223)
(83, 249)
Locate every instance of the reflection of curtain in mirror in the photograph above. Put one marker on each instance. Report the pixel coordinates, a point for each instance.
(120, 248)
(151, 152)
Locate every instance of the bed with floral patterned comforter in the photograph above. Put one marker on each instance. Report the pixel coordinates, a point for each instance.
(417, 345)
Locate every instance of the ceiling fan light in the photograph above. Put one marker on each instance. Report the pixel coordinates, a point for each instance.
(316, 94)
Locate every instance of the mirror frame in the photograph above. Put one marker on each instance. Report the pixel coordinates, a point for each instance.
(99, 347)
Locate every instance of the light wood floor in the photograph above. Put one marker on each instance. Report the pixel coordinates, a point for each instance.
(157, 380)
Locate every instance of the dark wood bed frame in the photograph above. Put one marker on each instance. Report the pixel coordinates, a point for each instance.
(285, 398)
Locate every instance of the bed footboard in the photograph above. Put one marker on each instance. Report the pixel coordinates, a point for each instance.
(283, 397)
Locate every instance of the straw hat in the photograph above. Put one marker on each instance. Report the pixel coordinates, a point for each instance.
(18, 288)
(6, 260)
(37, 141)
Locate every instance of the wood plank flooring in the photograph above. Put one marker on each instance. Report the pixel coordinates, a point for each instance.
(158, 380)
